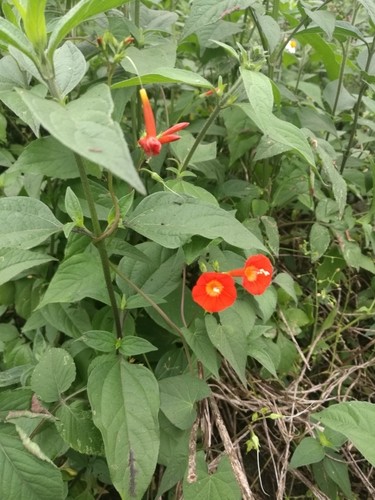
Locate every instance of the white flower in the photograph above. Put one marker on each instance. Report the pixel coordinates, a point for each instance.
(291, 47)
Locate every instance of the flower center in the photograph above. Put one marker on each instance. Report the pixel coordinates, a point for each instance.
(214, 288)
(251, 273)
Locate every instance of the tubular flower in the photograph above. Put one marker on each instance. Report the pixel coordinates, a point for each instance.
(150, 142)
(214, 291)
(256, 274)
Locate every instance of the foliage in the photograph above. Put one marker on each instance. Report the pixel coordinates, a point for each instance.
(126, 216)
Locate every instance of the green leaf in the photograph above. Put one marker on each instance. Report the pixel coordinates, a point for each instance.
(178, 396)
(70, 67)
(13, 375)
(76, 427)
(356, 420)
(323, 50)
(353, 256)
(158, 277)
(338, 472)
(272, 233)
(182, 187)
(149, 59)
(171, 220)
(85, 126)
(34, 23)
(13, 101)
(14, 261)
(47, 156)
(319, 239)
(73, 207)
(53, 375)
(166, 75)
(11, 35)
(125, 402)
(202, 347)
(259, 92)
(26, 222)
(16, 399)
(173, 453)
(67, 284)
(324, 19)
(221, 484)
(10, 74)
(82, 11)
(286, 282)
(24, 476)
(345, 102)
(308, 451)
(261, 350)
(231, 342)
(67, 318)
(133, 346)
(370, 8)
(266, 303)
(271, 30)
(204, 12)
(100, 340)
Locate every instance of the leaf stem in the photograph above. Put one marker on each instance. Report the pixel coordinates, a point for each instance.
(100, 244)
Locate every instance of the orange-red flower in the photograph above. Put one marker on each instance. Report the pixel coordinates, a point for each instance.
(256, 274)
(214, 291)
(150, 142)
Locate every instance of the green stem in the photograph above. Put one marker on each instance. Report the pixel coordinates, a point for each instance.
(200, 136)
(357, 107)
(209, 122)
(137, 9)
(100, 245)
(275, 9)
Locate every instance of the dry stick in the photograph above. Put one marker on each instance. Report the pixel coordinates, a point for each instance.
(192, 463)
(231, 452)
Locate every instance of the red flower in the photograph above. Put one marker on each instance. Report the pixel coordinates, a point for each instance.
(256, 274)
(150, 142)
(214, 291)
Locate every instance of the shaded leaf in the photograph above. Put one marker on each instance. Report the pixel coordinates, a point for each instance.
(85, 126)
(166, 75)
(231, 342)
(81, 11)
(67, 284)
(13, 261)
(356, 421)
(178, 396)
(204, 12)
(77, 428)
(171, 220)
(53, 375)
(26, 222)
(308, 451)
(24, 476)
(221, 484)
(125, 402)
(259, 92)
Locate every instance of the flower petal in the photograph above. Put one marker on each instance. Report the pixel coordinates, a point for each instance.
(174, 128)
(150, 145)
(168, 138)
(148, 114)
(257, 274)
(214, 291)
